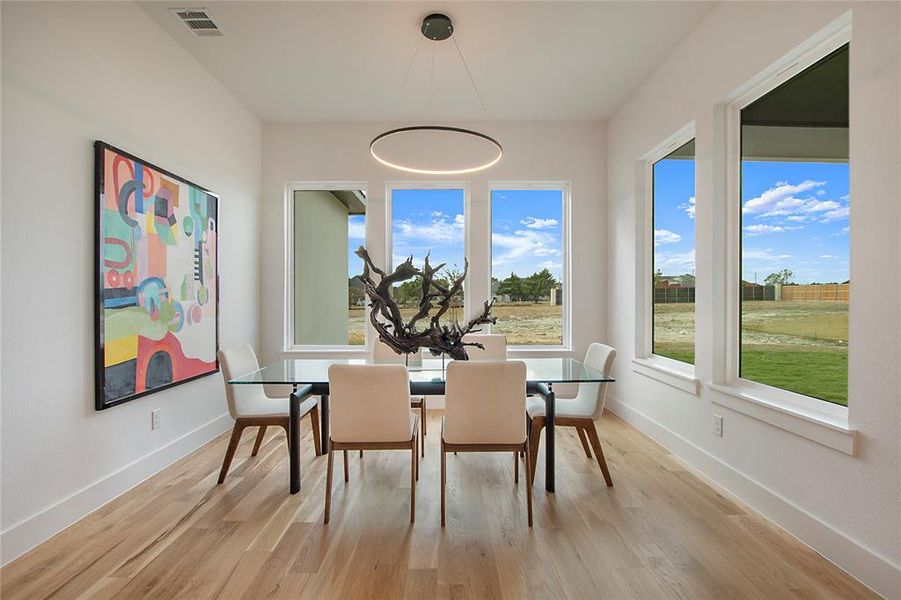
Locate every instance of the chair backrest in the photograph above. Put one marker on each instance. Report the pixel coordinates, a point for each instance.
(237, 361)
(592, 396)
(369, 403)
(495, 346)
(485, 402)
(382, 353)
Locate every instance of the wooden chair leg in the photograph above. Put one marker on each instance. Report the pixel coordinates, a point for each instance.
(361, 455)
(534, 439)
(424, 427)
(328, 485)
(414, 475)
(584, 441)
(516, 467)
(259, 440)
(346, 478)
(598, 452)
(529, 483)
(443, 479)
(230, 452)
(314, 425)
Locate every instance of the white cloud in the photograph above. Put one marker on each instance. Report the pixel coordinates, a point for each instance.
(781, 200)
(665, 236)
(836, 214)
(761, 229)
(826, 256)
(550, 265)
(537, 223)
(356, 231)
(675, 263)
(440, 230)
(523, 243)
(689, 207)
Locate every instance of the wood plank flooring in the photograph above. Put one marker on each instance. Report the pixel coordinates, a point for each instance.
(660, 532)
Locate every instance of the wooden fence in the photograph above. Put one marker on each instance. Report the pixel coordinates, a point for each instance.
(826, 292)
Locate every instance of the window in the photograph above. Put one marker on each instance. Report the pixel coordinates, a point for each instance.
(673, 269)
(328, 300)
(795, 283)
(428, 221)
(528, 264)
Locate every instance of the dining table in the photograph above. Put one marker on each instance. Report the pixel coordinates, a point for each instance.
(309, 377)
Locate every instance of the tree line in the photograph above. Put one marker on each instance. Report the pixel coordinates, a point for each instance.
(534, 288)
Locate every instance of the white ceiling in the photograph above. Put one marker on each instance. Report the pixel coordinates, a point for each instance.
(344, 61)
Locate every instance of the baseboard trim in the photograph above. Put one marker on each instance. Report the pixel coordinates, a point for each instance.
(28, 533)
(873, 570)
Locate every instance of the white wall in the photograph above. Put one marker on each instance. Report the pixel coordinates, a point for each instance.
(73, 73)
(571, 152)
(846, 507)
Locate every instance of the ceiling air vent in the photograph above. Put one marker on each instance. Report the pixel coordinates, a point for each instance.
(198, 21)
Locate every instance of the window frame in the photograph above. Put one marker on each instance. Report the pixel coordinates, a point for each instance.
(808, 417)
(565, 187)
(447, 184)
(668, 370)
(289, 344)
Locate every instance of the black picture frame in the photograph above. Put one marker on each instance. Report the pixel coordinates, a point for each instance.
(101, 402)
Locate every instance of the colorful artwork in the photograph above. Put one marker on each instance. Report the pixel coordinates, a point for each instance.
(157, 317)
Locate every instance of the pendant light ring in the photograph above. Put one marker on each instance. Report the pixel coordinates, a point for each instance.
(443, 128)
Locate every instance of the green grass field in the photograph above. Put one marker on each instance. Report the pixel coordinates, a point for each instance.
(797, 346)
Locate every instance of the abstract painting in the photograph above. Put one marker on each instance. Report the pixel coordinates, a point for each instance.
(157, 283)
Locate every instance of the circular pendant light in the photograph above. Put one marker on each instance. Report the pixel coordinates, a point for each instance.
(437, 149)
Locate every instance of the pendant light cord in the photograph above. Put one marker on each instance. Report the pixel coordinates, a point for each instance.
(472, 82)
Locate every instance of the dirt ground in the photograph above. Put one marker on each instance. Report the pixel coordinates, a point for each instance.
(522, 323)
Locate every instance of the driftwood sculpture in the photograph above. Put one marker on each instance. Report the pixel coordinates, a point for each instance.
(406, 338)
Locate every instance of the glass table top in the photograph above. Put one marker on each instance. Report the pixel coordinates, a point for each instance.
(315, 371)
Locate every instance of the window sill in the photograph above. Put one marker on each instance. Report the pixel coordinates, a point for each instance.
(538, 351)
(670, 372)
(819, 426)
(324, 351)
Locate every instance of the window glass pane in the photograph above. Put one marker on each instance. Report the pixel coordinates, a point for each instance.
(328, 293)
(795, 199)
(674, 255)
(429, 221)
(527, 265)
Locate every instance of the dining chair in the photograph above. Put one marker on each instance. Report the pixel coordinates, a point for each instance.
(485, 409)
(580, 412)
(495, 346)
(370, 410)
(249, 405)
(382, 353)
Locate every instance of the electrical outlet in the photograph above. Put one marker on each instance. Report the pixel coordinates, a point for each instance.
(718, 425)
(156, 418)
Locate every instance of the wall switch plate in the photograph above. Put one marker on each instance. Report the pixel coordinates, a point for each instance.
(718, 425)
(156, 418)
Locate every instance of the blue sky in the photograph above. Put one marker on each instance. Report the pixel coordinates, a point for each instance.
(424, 221)
(794, 216)
(674, 216)
(526, 232)
(356, 237)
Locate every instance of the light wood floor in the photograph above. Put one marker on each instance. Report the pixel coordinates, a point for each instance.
(659, 533)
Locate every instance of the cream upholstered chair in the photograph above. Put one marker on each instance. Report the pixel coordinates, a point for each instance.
(580, 412)
(249, 405)
(370, 410)
(485, 409)
(495, 346)
(382, 353)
